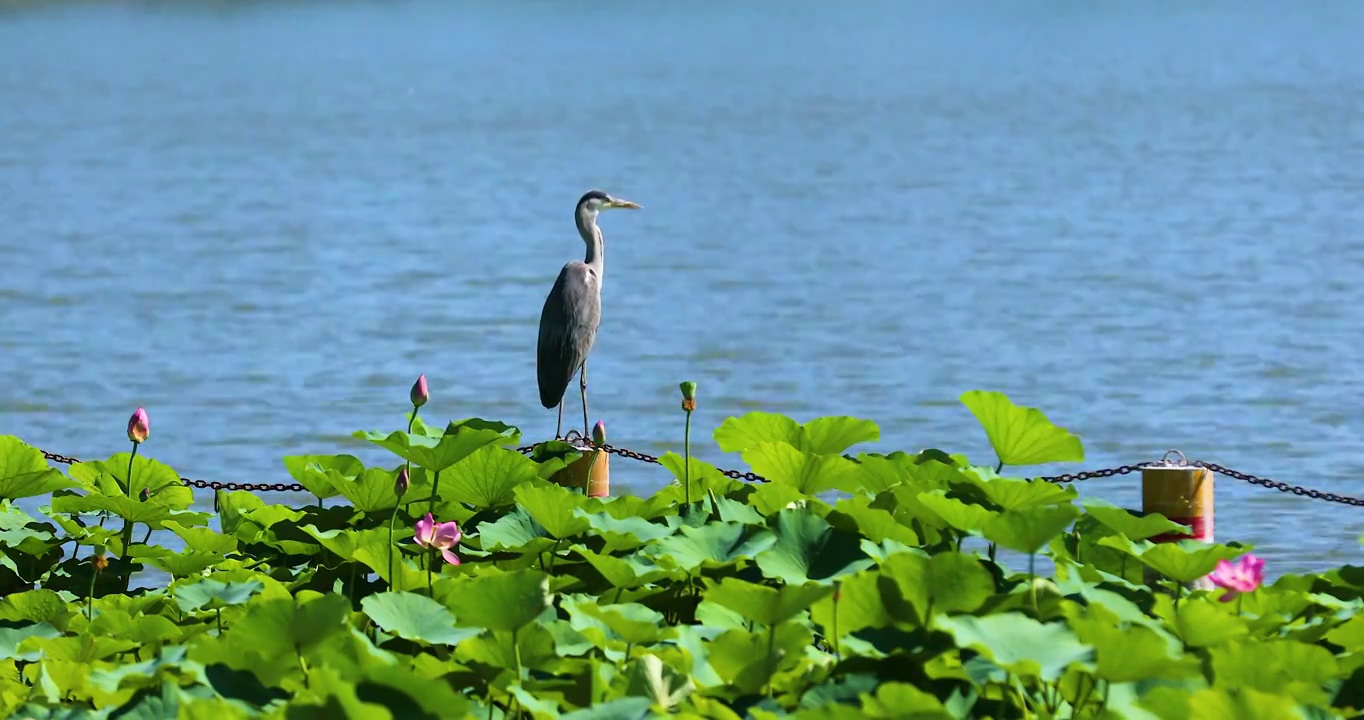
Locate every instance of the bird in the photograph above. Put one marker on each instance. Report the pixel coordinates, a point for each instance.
(572, 311)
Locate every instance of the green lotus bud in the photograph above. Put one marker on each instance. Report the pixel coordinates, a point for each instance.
(688, 395)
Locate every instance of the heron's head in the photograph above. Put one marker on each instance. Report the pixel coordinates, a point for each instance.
(595, 201)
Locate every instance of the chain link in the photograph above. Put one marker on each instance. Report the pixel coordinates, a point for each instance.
(754, 477)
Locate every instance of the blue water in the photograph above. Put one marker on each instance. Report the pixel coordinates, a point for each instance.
(262, 220)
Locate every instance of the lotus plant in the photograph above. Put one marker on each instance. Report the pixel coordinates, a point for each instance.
(400, 485)
(437, 537)
(688, 405)
(139, 427)
(1242, 576)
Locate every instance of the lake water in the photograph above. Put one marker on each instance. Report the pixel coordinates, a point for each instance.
(262, 220)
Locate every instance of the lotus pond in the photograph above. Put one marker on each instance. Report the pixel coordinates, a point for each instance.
(851, 584)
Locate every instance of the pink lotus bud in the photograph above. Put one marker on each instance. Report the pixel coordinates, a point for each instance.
(420, 393)
(599, 433)
(139, 426)
(400, 485)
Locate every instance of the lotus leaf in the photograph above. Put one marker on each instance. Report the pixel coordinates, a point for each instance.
(821, 436)
(1020, 435)
(24, 471)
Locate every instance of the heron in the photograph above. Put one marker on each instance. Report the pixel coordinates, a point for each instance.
(572, 312)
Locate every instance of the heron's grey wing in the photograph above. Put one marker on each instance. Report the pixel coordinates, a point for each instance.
(568, 327)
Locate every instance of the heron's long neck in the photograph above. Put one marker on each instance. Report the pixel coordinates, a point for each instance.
(596, 247)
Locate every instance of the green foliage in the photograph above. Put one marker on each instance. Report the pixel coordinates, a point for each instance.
(848, 586)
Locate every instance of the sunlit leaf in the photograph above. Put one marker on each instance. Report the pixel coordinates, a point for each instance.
(415, 617)
(24, 471)
(807, 472)
(319, 473)
(553, 508)
(766, 605)
(1183, 561)
(808, 548)
(437, 454)
(1021, 435)
(500, 601)
(1126, 522)
(1018, 643)
(487, 477)
(825, 436)
(1030, 528)
(945, 583)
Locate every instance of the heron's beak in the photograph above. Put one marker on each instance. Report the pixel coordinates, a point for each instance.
(623, 204)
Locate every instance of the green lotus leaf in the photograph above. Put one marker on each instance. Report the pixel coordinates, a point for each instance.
(1135, 527)
(510, 434)
(553, 507)
(371, 491)
(623, 533)
(748, 660)
(713, 545)
(202, 539)
(822, 436)
(704, 477)
(488, 477)
(177, 564)
(209, 594)
(415, 617)
(1183, 561)
(945, 583)
(110, 478)
(806, 472)
(1132, 653)
(1288, 667)
(859, 606)
(896, 699)
(856, 515)
(1205, 623)
(950, 512)
(627, 572)
(36, 606)
(12, 637)
(1029, 529)
(24, 471)
(1017, 494)
(766, 605)
(438, 454)
(1021, 435)
(625, 708)
(631, 622)
(319, 474)
(504, 601)
(1018, 643)
(808, 548)
(516, 531)
(1168, 703)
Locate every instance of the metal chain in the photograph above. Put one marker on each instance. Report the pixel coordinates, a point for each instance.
(754, 477)
(1090, 474)
(1277, 485)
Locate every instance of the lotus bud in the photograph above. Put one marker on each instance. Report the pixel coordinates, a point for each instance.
(599, 434)
(688, 396)
(139, 426)
(400, 485)
(420, 393)
(144, 495)
(99, 561)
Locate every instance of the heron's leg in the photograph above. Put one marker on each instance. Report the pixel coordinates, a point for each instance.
(582, 384)
(558, 426)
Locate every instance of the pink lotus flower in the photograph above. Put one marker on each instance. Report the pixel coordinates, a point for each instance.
(1242, 576)
(420, 393)
(439, 536)
(400, 484)
(139, 426)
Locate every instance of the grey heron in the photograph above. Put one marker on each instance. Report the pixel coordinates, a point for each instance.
(572, 312)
